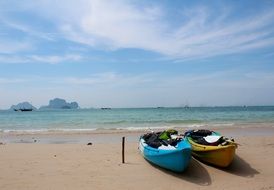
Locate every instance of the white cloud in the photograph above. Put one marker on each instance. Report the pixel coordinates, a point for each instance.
(108, 80)
(122, 24)
(54, 59)
(10, 46)
(149, 81)
(50, 59)
(119, 24)
(12, 59)
(12, 80)
(115, 24)
(28, 30)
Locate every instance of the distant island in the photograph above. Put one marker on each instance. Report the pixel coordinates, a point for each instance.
(58, 103)
(23, 106)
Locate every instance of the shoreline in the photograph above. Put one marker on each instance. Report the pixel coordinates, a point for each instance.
(104, 130)
(114, 136)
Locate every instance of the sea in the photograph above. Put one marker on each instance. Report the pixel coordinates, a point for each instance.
(133, 118)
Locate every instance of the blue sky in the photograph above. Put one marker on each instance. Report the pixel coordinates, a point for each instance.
(141, 53)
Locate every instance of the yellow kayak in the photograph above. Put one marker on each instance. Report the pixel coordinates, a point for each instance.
(219, 155)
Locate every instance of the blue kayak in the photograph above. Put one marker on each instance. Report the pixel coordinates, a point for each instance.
(175, 158)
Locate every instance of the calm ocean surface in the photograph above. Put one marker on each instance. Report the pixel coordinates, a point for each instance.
(133, 119)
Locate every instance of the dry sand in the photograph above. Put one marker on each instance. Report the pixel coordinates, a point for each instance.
(79, 166)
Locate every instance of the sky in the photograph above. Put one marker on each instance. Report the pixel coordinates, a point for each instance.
(137, 53)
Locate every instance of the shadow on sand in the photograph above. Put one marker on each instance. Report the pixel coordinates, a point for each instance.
(238, 167)
(241, 168)
(194, 173)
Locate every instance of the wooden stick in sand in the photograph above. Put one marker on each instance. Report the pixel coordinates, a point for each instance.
(123, 150)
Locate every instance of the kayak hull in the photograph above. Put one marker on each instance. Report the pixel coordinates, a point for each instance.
(175, 160)
(220, 156)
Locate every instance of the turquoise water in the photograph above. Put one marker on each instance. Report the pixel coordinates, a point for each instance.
(133, 118)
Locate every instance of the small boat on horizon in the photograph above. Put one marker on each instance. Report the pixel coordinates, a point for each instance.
(166, 149)
(105, 108)
(23, 109)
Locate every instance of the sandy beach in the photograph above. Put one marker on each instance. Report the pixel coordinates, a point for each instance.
(36, 163)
